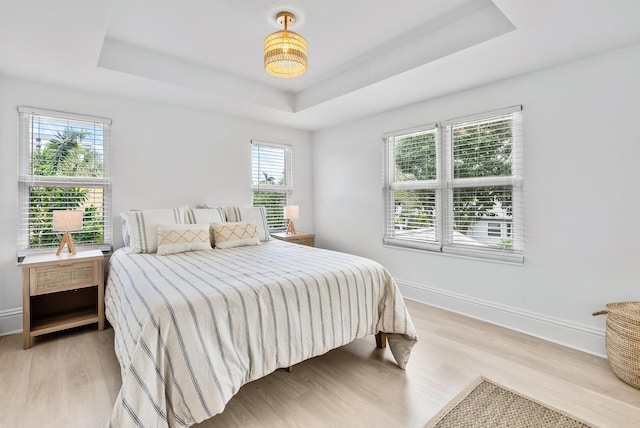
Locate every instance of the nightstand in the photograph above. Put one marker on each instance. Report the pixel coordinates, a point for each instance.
(299, 238)
(61, 292)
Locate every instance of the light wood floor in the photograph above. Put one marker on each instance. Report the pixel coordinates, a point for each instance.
(71, 380)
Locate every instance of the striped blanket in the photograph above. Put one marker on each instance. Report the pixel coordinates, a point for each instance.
(192, 328)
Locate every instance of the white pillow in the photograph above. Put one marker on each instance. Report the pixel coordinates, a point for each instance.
(235, 234)
(126, 239)
(143, 227)
(178, 238)
(206, 215)
(257, 215)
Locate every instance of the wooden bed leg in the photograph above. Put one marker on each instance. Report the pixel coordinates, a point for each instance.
(381, 340)
(290, 369)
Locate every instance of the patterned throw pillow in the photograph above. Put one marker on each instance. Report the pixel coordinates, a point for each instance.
(178, 238)
(235, 234)
(257, 215)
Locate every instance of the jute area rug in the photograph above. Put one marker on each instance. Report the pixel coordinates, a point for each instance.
(487, 404)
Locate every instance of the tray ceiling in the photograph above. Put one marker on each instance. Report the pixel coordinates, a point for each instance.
(365, 56)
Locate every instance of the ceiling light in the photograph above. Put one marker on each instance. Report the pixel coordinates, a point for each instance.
(285, 52)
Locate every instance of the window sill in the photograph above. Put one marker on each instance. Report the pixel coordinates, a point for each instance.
(515, 260)
(105, 248)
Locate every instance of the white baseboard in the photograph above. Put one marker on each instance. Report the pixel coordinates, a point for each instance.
(563, 332)
(10, 321)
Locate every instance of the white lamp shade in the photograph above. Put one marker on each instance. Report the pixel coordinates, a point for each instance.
(291, 212)
(67, 220)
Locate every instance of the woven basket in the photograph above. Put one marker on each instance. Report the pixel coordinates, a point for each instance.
(623, 340)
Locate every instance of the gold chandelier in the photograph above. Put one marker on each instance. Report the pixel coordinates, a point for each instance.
(285, 52)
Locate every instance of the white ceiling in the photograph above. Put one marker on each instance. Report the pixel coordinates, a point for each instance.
(365, 56)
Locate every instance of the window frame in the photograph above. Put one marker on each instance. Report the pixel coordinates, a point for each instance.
(286, 189)
(27, 179)
(445, 184)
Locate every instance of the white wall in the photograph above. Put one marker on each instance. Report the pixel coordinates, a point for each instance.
(582, 144)
(163, 156)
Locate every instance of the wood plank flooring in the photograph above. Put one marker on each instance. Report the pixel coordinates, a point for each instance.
(71, 379)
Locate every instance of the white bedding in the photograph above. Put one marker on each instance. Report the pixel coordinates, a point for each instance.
(192, 328)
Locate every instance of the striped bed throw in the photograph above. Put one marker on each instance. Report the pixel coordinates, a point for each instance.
(192, 328)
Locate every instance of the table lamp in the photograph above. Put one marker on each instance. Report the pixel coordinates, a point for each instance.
(291, 212)
(67, 221)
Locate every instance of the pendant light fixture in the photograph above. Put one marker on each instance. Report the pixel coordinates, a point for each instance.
(285, 52)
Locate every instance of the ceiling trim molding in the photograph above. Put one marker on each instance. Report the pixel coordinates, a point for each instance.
(126, 58)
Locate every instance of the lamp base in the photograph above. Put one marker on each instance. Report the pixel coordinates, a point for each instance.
(66, 239)
(291, 228)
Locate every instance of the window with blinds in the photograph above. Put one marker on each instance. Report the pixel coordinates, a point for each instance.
(456, 187)
(412, 190)
(271, 180)
(64, 163)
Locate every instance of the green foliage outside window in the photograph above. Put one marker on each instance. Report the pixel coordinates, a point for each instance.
(416, 157)
(481, 149)
(65, 156)
(273, 202)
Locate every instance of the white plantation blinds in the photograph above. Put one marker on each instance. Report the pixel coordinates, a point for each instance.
(412, 218)
(486, 185)
(271, 180)
(64, 163)
(455, 187)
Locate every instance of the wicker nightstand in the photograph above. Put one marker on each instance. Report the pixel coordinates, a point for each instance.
(299, 238)
(61, 292)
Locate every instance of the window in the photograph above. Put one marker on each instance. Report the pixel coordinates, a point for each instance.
(271, 181)
(494, 229)
(64, 163)
(456, 187)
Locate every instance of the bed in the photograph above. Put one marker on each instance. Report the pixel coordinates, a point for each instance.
(191, 328)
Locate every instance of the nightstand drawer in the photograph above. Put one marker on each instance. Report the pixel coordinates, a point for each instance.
(61, 292)
(48, 279)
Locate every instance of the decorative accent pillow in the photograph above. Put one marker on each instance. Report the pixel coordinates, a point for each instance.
(205, 215)
(178, 238)
(257, 215)
(143, 227)
(235, 234)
